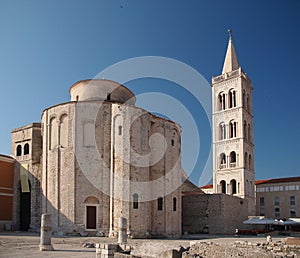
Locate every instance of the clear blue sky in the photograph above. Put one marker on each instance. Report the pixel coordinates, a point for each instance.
(46, 46)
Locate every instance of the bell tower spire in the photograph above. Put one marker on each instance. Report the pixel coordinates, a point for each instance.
(233, 147)
(231, 62)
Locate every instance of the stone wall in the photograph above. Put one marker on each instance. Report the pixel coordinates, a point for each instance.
(102, 153)
(213, 213)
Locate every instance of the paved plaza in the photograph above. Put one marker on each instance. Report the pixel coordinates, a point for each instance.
(27, 245)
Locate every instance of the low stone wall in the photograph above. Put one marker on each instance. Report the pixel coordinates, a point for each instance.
(213, 213)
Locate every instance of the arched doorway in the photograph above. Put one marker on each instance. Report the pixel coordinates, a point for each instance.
(91, 210)
(223, 186)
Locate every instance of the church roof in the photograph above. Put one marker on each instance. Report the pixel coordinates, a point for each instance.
(231, 62)
(278, 180)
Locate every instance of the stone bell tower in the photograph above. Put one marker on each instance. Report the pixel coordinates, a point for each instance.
(233, 148)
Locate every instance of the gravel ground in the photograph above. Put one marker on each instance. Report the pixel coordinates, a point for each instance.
(20, 244)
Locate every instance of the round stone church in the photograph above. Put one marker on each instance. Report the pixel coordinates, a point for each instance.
(102, 158)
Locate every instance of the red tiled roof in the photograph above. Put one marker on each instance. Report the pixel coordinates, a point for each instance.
(265, 181)
(278, 180)
(6, 156)
(206, 186)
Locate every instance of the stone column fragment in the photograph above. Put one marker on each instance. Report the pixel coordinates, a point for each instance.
(46, 233)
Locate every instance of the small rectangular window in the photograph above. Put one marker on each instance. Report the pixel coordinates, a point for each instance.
(120, 129)
(292, 200)
(135, 201)
(276, 200)
(277, 212)
(262, 211)
(293, 213)
(262, 201)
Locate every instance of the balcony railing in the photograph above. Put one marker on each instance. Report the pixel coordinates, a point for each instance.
(232, 165)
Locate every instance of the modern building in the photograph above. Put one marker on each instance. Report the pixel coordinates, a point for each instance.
(232, 118)
(278, 198)
(6, 191)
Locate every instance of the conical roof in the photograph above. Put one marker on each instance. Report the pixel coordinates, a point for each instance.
(231, 62)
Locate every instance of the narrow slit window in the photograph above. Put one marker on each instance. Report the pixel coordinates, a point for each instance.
(135, 201)
(174, 204)
(159, 203)
(120, 130)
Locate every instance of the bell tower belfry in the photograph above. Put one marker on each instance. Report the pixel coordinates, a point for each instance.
(233, 148)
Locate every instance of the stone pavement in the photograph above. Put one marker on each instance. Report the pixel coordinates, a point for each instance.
(25, 245)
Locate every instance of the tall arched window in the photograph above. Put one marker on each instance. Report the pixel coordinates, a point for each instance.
(223, 186)
(222, 160)
(246, 160)
(174, 204)
(232, 159)
(222, 101)
(135, 201)
(19, 150)
(222, 131)
(26, 149)
(233, 186)
(63, 134)
(159, 203)
(250, 161)
(248, 104)
(245, 130)
(244, 99)
(233, 129)
(53, 133)
(232, 98)
(249, 133)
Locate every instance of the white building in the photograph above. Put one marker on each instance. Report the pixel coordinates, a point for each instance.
(233, 148)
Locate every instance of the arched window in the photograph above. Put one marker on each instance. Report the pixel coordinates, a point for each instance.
(222, 101)
(53, 133)
(233, 186)
(159, 203)
(249, 133)
(63, 134)
(246, 160)
(232, 98)
(135, 201)
(250, 161)
(233, 129)
(222, 160)
(248, 104)
(222, 131)
(232, 159)
(245, 130)
(244, 99)
(26, 149)
(19, 150)
(223, 186)
(174, 204)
